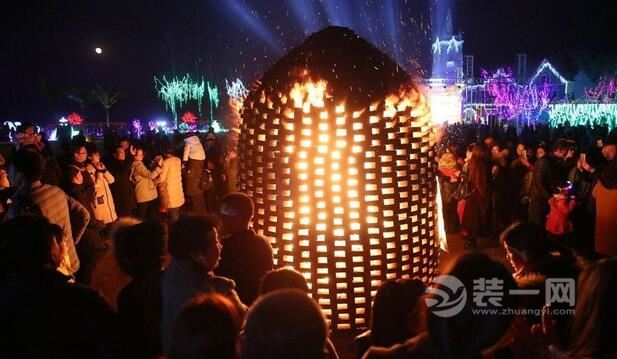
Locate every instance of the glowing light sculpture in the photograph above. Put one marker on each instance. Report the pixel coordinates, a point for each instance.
(75, 119)
(236, 90)
(604, 92)
(213, 96)
(178, 91)
(597, 114)
(189, 117)
(336, 150)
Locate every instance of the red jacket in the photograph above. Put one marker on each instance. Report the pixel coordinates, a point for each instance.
(558, 221)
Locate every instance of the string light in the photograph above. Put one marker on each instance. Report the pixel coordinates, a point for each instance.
(236, 90)
(453, 44)
(604, 115)
(213, 96)
(604, 92)
(178, 91)
(547, 65)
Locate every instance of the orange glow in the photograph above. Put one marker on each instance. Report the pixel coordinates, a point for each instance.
(352, 191)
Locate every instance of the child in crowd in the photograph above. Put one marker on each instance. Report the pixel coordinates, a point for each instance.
(558, 223)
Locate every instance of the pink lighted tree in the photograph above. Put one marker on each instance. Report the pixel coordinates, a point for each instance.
(189, 118)
(75, 119)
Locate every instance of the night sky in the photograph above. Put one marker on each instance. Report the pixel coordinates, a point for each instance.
(50, 44)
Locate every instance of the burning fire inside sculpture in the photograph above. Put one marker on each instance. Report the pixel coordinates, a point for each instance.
(336, 146)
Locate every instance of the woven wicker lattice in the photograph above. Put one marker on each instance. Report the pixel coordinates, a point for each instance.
(346, 194)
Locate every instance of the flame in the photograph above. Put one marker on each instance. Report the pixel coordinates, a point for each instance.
(313, 92)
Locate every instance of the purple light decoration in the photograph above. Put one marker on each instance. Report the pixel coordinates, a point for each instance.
(605, 91)
(511, 100)
(137, 126)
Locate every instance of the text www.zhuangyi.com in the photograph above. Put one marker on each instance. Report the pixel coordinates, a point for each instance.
(521, 311)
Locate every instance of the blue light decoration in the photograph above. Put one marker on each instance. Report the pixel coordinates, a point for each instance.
(236, 90)
(587, 114)
(451, 45)
(547, 65)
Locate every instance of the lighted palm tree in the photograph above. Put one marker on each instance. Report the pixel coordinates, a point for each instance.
(107, 98)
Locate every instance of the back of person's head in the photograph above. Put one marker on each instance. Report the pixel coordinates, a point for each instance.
(398, 312)
(528, 238)
(595, 316)
(139, 248)
(195, 238)
(207, 327)
(562, 145)
(283, 278)
(466, 333)
(284, 324)
(30, 244)
(480, 151)
(239, 205)
(30, 164)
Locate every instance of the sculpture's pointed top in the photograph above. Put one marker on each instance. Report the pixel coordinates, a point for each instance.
(351, 66)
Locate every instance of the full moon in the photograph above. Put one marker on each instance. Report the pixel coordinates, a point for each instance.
(98, 50)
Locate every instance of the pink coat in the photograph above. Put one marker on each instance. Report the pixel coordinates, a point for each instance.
(558, 221)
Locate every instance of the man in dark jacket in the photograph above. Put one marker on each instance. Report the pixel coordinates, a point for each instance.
(545, 177)
(122, 189)
(45, 316)
(246, 255)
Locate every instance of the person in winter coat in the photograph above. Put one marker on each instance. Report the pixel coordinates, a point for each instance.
(558, 223)
(194, 158)
(605, 194)
(104, 208)
(122, 189)
(195, 251)
(80, 155)
(145, 187)
(475, 216)
(34, 197)
(91, 247)
(246, 255)
(43, 314)
(170, 185)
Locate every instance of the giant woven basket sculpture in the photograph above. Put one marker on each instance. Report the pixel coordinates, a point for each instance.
(336, 151)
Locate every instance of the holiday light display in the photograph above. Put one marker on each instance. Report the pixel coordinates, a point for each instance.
(583, 115)
(213, 96)
(236, 90)
(75, 119)
(511, 100)
(178, 91)
(137, 127)
(452, 44)
(340, 168)
(604, 92)
(547, 65)
(189, 117)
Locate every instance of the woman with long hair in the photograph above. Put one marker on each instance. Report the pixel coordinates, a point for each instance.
(475, 216)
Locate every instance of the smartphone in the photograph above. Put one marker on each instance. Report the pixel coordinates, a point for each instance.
(583, 157)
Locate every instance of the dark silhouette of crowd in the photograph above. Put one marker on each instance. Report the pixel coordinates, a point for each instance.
(203, 283)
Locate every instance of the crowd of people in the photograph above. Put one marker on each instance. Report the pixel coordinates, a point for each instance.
(564, 180)
(203, 282)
